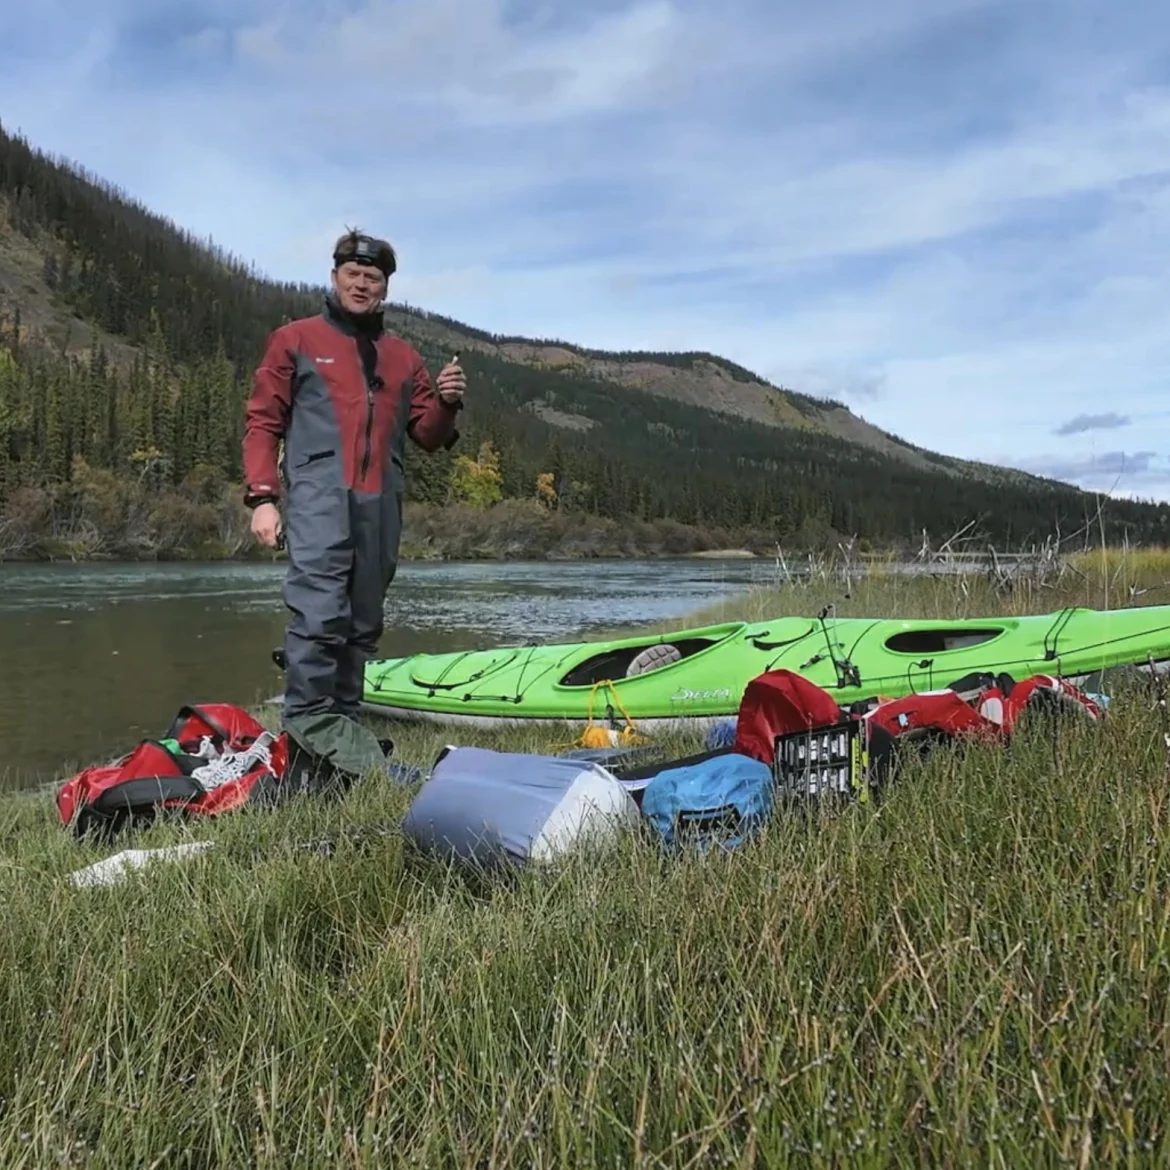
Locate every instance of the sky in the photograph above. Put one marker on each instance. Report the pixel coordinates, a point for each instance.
(952, 215)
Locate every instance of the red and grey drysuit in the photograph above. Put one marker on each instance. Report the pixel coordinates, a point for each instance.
(343, 394)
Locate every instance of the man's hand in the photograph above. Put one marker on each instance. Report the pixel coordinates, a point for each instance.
(452, 382)
(266, 524)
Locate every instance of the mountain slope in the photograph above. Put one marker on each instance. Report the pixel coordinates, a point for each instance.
(689, 437)
(698, 379)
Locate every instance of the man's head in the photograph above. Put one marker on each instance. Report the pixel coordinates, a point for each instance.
(362, 267)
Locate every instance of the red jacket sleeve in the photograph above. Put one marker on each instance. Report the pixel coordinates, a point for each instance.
(267, 414)
(432, 421)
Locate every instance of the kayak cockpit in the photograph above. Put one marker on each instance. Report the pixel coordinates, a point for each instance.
(940, 640)
(634, 658)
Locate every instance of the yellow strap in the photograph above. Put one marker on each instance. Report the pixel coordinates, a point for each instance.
(628, 734)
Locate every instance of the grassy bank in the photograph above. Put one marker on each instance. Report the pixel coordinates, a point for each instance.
(1101, 579)
(975, 971)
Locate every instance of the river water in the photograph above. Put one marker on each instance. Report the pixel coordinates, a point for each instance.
(95, 657)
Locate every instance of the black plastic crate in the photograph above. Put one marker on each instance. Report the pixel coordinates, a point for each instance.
(823, 761)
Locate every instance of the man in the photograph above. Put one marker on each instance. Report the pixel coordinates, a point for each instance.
(344, 395)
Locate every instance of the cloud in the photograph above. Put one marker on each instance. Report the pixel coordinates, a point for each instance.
(1111, 463)
(1124, 474)
(1092, 422)
(471, 60)
(952, 214)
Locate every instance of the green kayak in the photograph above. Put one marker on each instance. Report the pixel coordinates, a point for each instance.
(700, 674)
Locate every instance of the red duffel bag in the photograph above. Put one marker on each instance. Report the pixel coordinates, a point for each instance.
(214, 758)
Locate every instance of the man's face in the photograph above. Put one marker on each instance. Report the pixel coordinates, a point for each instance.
(359, 287)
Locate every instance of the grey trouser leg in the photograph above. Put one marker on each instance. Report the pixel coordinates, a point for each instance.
(316, 590)
(376, 524)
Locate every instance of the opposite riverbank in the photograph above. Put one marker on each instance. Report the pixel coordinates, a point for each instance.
(36, 525)
(973, 971)
(100, 516)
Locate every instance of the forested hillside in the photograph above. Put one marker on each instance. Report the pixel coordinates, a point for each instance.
(125, 353)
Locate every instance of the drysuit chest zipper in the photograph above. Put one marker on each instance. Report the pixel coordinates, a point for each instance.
(369, 429)
(368, 356)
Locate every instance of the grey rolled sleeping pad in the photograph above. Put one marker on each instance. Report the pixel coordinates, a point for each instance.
(501, 808)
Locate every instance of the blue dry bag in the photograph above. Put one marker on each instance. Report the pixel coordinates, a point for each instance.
(720, 800)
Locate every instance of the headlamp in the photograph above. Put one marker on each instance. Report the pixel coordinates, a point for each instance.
(364, 249)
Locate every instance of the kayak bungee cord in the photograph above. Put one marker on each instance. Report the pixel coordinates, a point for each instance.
(847, 673)
(758, 640)
(532, 648)
(439, 685)
(923, 664)
(1056, 629)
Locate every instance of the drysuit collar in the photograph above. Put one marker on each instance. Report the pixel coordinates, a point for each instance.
(356, 324)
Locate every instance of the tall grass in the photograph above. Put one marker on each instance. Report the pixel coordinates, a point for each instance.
(1101, 580)
(973, 971)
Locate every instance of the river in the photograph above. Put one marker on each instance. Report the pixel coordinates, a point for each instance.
(96, 657)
